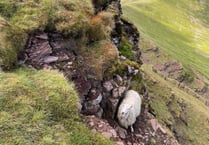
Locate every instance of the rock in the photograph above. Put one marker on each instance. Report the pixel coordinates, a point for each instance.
(121, 132)
(119, 80)
(107, 134)
(120, 143)
(70, 63)
(64, 57)
(136, 71)
(95, 94)
(108, 86)
(162, 130)
(121, 90)
(91, 123)
(155, 49)
(123, 57)
(39, 51)
(139, 136)
(43, 36)
(154, 124)
(50, 59)
(114, 133)
(100, 113)
(98, 100)
(115, 93)
(90, 108)
(79, 106)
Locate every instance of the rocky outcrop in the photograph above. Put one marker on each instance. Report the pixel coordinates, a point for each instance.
(102, 5)
(99, 93)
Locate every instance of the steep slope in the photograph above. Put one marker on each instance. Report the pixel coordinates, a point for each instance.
(40, 107)
(179, 27)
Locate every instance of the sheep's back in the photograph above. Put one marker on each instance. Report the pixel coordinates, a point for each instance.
(132, 98)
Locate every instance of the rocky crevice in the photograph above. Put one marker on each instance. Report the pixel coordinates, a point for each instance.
(99, 96)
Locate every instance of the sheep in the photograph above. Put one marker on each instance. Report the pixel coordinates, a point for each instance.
(129, 109)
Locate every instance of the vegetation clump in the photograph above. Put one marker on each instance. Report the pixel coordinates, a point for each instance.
(72, 18)
(40, 107)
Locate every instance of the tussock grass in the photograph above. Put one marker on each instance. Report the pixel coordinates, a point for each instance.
(72, 18)
(40, 107)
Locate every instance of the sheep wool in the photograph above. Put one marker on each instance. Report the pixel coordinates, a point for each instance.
(129, 109)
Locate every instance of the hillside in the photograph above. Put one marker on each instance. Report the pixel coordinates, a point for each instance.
(179, 27)
(66, 66)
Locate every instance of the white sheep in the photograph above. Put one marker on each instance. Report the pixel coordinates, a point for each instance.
(129, 109)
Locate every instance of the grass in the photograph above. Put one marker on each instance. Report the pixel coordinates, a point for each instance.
(186, 116)
(40, 107)
(72, 18)
(180, 28)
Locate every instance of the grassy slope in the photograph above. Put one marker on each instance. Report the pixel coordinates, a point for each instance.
(40, 107)
(181, 28)
(182, 113)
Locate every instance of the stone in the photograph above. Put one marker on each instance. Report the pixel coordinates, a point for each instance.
(123, 57)
(108, 86)
(50, 59)
(115, 93)
(162, 130)
(70, 63)
(112, 106)
(114, 133)
(121, 132)
(95, 94)
(121, 90)
(107, 134)
(119, 80)
(136, 71)
(64, 57)
(43, 36)
(90, 108)
(100, 113)
(120, 143)
(97, 100)
(154, 124)
(79, 106)
(91, 123)
(100, 125)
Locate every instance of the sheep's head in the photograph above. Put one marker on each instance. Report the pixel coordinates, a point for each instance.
(124, 112)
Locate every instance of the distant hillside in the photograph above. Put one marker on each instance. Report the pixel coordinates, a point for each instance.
(180, 27)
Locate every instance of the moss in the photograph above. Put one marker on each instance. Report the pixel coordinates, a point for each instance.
(40, 107)
(120, 67)
(125, 48)
(188, 75)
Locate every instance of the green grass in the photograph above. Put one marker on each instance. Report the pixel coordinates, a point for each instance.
(179, 27)
(184, 114)
(40, 107)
